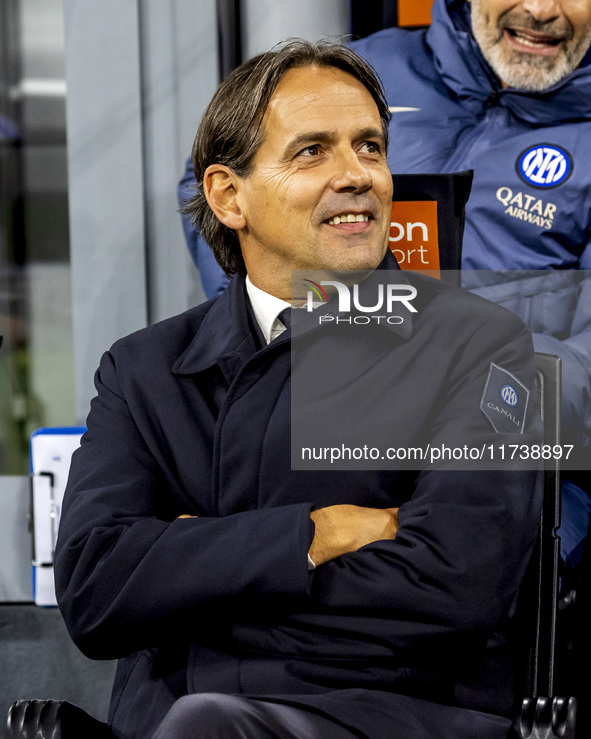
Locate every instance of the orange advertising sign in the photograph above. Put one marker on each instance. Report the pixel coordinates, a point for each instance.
(414, 239)
(414, 12)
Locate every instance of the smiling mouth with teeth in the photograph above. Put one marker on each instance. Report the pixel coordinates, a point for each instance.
(537, 43)
(347, 218)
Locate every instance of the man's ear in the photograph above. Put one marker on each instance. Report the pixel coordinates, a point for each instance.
(220, 189)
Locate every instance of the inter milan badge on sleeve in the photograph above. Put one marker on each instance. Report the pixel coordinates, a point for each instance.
(504, 400)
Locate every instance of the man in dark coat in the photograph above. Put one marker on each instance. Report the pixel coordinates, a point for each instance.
(504, 89)
(248, 594)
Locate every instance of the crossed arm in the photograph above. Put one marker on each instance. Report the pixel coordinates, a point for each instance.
(128, 571)
(341, 529)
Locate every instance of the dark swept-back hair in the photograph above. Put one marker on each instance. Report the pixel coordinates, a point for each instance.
(230, 132)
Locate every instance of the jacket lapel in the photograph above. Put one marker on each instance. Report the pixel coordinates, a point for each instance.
(225, 336)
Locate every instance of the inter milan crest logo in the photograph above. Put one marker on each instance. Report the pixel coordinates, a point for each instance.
(504, 400)
(544, 165)
(509, 395)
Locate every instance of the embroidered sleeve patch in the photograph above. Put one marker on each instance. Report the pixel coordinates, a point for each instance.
(504, 400)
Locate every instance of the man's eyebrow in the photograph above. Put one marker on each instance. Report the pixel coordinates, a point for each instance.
(371, 133)
(307, 139)
(323, 137)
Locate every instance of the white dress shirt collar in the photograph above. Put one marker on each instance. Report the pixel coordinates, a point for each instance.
(266, 309)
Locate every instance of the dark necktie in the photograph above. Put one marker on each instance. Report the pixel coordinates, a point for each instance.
(285, 317)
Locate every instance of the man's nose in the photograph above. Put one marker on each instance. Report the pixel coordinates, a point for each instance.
(542, 10)
(351, 175)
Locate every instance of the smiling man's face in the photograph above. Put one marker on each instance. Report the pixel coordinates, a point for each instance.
(532, 44)
(320, 192)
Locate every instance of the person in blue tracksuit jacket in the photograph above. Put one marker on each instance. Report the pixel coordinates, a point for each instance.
(246, 594)
(505, 89)
(518, 112)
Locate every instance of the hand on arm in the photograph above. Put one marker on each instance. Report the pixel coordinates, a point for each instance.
(340, 529)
